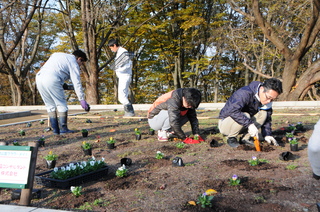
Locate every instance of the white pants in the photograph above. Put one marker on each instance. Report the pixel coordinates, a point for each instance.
(314, 149)
(123, 88)
(161, 121)
(51, 91)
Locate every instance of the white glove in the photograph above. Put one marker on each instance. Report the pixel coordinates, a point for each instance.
(253, 130)
(270, 140)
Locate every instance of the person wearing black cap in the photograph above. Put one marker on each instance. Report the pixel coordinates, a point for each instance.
(50, 79)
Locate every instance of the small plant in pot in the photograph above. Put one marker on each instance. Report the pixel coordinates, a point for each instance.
(137, 132)
(41, 141)
(16, 143)
(293, 144)
(110, 143)
(151, 131)
(291, 128)
(51, 160)
(289, 135)
(299, 126)
(22, 133)
(84, 133)
(41, 122)
(87, 148)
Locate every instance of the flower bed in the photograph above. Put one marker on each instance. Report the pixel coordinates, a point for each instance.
(45, 180)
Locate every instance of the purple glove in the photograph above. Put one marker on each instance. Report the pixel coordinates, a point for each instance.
(84, 105)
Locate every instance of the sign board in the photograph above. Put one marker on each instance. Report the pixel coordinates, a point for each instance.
(14, 166)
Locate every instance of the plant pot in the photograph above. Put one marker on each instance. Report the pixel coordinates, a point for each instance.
(87, 151)
(110, 146)
(40, 143)
(51, 164)
(214, 143)
(294, 147)
(84, 134)
(286, 156)
(177, 161)
(151, 132)
(22, 133)
(138, 137)
(126, 161)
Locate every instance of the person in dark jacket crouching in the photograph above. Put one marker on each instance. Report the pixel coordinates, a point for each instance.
(172, 110)
(248, 110)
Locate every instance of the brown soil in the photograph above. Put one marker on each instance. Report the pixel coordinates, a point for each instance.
(156, 185)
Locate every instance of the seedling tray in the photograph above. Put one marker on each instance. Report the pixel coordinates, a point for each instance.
(45, 180)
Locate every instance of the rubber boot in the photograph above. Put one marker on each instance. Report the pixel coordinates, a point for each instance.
(63, 119)
(128, 110)
(54, 122)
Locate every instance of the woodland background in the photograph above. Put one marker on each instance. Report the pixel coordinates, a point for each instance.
(216, 46)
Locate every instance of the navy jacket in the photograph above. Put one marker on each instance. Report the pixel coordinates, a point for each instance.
(244, 100)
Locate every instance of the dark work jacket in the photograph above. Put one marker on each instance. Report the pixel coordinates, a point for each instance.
(244, 100)
(172, 102)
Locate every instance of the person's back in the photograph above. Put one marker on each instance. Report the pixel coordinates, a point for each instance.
(61, 64)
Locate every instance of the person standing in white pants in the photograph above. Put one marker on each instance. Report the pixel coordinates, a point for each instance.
(123, 67)
(50, 79)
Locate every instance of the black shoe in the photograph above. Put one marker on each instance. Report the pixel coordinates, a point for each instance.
(316, 176)
(247, 142)
(233, 142)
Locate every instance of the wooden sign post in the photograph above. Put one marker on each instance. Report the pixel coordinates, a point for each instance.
(17, 168)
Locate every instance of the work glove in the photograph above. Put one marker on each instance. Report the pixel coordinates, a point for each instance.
(190, 141)
(253, 130)
(85, 105)
(270, 140)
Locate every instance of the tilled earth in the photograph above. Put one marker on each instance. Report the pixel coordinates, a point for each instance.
(157, 185)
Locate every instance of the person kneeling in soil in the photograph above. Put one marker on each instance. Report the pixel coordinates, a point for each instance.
(248, 110)
(314, 151)
(172, 110)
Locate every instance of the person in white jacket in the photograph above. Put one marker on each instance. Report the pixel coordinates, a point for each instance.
(123, 67)
(314, 151)
(50, 80)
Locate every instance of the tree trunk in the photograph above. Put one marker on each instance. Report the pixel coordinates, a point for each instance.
(309, 77)
(176, 74)
(92, 95)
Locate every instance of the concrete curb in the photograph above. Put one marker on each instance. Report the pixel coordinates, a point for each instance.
(17, 208)
(14, 114)
(202, 106)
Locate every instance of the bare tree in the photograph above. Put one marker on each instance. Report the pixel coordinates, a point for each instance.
(293, 34)
(18, 42)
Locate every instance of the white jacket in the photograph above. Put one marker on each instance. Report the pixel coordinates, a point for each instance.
(123, 63)
(65, 67)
